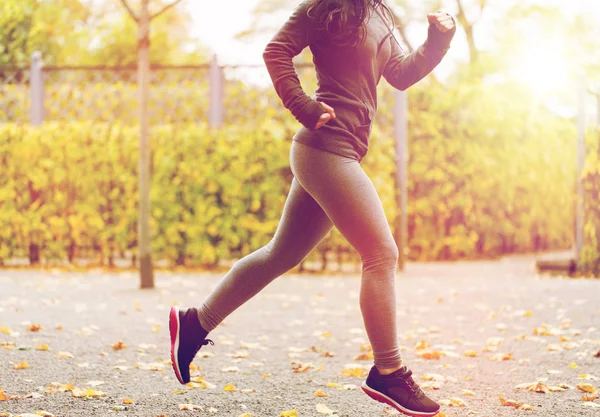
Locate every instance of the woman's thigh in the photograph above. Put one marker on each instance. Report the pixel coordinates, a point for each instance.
(345, 192)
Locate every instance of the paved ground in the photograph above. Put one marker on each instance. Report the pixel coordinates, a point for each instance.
(490, 308)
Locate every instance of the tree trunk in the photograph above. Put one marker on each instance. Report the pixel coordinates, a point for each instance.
(144, 244)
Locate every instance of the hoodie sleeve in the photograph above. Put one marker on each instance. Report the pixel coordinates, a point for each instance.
(404, 70)
(296, 34)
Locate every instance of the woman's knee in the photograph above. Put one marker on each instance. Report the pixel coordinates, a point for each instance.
(381, 256)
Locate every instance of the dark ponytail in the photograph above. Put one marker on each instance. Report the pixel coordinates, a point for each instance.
(344, 20)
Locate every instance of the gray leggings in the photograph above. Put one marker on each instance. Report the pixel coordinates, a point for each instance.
(327, 190)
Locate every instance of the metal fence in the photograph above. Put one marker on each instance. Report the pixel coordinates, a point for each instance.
(211, 93)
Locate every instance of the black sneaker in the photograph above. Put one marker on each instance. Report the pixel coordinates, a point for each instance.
(400, 391)
(187, 337)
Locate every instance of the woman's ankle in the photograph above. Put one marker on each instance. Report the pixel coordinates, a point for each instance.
(387, 371)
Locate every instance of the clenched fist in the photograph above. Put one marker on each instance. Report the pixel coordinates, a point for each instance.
(442, 21)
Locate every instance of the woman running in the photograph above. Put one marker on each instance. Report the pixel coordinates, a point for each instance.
(353, 46)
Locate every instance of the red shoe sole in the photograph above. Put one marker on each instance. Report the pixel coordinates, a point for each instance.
(174, 330)
(377, 396)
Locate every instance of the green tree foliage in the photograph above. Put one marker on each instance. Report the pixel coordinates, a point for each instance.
(77, 32)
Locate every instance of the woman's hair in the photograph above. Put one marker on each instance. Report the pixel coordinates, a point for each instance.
(344, 20)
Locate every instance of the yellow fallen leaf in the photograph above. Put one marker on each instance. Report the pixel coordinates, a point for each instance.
(21, 365)
(471, 353)
(320, 393)
(229, 388)
(591, 397)
(454, 402)
(366, 348)
(297, 367)
(323, 409)
(42, 347)
(422, 345)
(328, 354)
(189, 407)
(64, 355)
(128, 401)
(291, 413)
(469, 393)
(502, 357)
(515, 404)
(433, 377)
(573, 365)
(34, 328)
(429, 354)
(120, 345)
(5, 330)
(87, 393)
(364, 357)
(3, 396)
(589, 388)
(354, 372)
(537, 386)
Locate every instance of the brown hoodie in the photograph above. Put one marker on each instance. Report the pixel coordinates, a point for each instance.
(347, 76)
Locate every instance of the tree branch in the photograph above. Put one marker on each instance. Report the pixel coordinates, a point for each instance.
(164, 9)
(131, 13)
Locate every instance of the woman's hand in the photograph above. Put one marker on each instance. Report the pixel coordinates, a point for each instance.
(325, 117)
(442, 21)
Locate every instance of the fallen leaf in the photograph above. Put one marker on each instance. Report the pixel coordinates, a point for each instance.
(364, 357)
(21, 365)
(515, 404)
(5, 330)
(429, 354)
(471, 353)
(291, 413)
(231, 369)
(297, 367)
(573, 365)
(591, 397)
(469, 392)
(34, 328)
(128, 401)
(3, 396)
(328, 354)
(156, 328)
(86, 393)
(502, 357)
(454, 402)
(589, 388)
(64, 355)
(323, 409)
(320, 393)
(42, 347)
(153, 366)
(433, 377)
(120, 345)
(537, 386)
(354, 372)
(229, 388)
(189, 407)
(597, 355)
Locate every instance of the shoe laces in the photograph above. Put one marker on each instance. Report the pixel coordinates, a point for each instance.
(204, 343)
(407, 379)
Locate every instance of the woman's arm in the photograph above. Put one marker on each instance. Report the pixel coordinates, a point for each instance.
(404, 70)
(295, 35)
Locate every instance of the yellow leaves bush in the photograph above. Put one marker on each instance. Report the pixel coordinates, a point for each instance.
(219, 193)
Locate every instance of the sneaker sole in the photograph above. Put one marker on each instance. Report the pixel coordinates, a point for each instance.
(377, 396)
(174, 330)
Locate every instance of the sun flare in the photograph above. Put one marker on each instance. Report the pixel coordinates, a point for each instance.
(540, 62)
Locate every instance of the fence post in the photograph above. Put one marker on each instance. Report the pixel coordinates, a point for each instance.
(401, 160)
(216, 79)
(582, 96)
(36, 89)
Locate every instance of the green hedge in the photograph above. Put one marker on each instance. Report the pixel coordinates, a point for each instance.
(488, 175)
